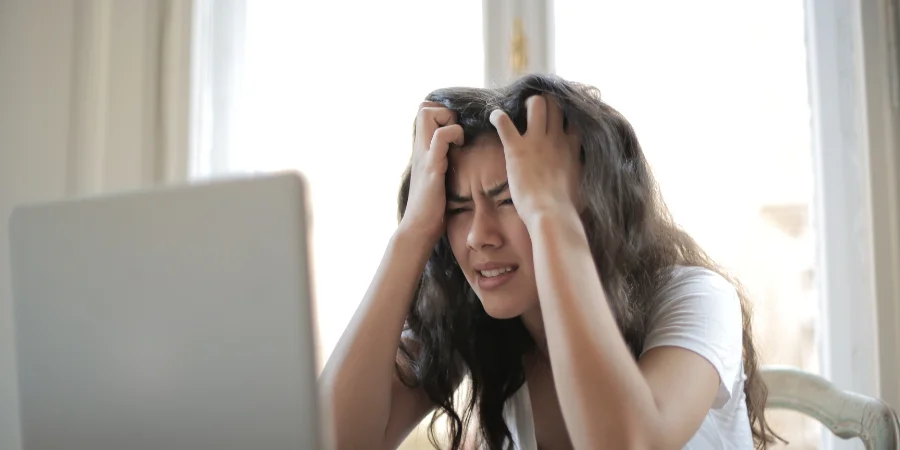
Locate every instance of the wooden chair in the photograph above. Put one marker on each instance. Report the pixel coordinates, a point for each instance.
(846, 414)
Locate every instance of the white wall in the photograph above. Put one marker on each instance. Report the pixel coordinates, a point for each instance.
(35, 89)
(93, 97)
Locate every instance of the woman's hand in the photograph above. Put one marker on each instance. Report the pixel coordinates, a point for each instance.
(543, 164)
(436, 129)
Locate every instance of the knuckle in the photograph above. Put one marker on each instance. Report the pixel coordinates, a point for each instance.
(452, 133)
(437, 113)
(452, 115)
(444, 133)
(425, 107)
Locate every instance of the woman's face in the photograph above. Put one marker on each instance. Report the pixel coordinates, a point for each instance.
(488, 239)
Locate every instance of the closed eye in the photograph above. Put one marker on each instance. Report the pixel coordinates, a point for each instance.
(507, 202)
(454, 211)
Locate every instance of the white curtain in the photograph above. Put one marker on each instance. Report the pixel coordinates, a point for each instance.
(130, 94)
(95, 97)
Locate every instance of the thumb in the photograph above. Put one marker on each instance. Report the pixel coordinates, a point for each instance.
(505, 127)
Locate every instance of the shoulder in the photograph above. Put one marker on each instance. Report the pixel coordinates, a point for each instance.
(699, 310)
(687, 279)
(695, 290)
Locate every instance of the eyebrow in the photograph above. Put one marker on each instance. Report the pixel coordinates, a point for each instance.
(492, 192)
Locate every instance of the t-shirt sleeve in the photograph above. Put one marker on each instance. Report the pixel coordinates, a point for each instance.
(699, 310)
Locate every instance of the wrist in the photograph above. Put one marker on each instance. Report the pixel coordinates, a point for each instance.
(560, 217)
(411, 240)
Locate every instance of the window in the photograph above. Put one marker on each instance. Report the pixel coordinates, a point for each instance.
(717, 93)
(751, 114)
(342, 113)
(332, 90)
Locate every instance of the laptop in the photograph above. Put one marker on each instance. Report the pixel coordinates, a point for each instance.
(175, 318)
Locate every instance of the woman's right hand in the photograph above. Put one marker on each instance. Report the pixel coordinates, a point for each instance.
(436, 129)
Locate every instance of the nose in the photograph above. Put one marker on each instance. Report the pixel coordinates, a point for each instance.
(484, 231)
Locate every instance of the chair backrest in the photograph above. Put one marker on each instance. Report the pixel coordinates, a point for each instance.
(847, 414)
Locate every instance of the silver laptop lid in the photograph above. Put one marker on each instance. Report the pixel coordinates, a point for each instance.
(177, 318)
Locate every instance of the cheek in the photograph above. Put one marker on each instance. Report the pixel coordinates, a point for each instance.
(457, 231)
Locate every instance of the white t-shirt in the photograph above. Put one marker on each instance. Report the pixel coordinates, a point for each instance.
(698, 310)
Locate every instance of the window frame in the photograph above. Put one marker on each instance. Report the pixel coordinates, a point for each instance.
(855, 107)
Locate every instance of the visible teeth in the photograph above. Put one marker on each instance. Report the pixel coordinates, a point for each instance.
(495, 272)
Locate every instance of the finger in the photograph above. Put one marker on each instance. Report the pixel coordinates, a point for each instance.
(554, 117)
(432, 107)
(428, 120)
(439, 116)
(443, 137)
(505, 128)
(536, 107)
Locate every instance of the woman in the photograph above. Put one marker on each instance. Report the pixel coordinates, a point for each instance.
(535, 258)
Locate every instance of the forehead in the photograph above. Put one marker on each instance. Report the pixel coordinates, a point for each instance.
(480, 163)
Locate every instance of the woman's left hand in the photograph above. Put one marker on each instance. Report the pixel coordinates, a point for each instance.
(542, 166)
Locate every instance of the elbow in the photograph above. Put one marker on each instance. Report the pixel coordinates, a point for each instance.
(347, 441)
(652, 438)
(645, 440)
(639, 440)
(628, 434)
(643, 433)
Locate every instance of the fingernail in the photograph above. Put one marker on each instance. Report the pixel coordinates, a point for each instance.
(495, 114)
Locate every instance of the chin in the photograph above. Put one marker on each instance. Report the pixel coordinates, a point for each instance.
(502, 306)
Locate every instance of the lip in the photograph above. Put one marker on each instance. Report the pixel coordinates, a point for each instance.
(491, 265)
(486, 283)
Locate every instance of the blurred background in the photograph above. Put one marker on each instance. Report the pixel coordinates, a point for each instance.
(770, 126)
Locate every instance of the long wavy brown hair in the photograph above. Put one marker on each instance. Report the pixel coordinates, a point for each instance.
(633, 240)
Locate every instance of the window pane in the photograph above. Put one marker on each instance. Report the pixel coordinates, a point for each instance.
(332, 89)
(717, 92)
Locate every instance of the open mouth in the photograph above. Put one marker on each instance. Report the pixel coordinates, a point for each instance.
(496, 272)
(496, 277)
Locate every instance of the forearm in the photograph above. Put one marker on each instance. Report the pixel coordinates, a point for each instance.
(604, 399)
(357, 379)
